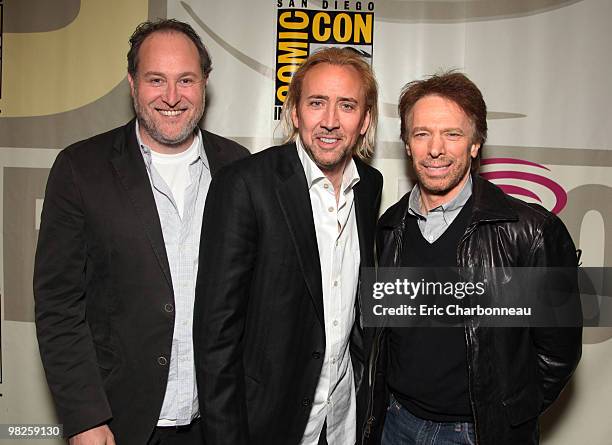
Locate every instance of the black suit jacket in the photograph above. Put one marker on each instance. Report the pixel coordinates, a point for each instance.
(258, 322)
(102, 285)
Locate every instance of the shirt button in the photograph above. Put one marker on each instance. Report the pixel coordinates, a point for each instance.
(306, 402)
(168, 307)
(431, 238)
(325, 186)
(163, 361)
(336, 283)
(331, 209)
(316, 355)
(335, 322)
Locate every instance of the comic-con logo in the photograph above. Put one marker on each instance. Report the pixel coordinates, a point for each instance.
(301, 30)
(526, 180)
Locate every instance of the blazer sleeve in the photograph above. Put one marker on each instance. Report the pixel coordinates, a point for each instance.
(60, 292)
(558, 349)
(227, 256)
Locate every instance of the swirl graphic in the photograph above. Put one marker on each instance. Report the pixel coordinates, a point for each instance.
(523, 191)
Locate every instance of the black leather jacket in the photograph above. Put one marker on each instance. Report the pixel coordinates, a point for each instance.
(514, 373)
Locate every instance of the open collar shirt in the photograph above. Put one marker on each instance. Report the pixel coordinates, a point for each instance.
(182, 242)
(338, 246)
(434, 223)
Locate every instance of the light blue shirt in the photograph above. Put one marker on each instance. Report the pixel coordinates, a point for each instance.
(182, 241)
(434, 223)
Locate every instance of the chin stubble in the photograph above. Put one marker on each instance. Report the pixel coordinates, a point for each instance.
(148, 123)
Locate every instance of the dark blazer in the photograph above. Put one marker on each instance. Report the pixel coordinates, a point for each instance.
(258, 322)
(102, 285)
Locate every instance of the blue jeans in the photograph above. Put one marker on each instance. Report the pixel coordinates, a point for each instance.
(403, 428)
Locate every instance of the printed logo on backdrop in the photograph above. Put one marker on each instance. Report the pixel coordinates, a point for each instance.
(526, 180)
(303, 27)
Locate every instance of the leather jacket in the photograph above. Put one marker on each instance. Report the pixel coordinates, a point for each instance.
(515, 373)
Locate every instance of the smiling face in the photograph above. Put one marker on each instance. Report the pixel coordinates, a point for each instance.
(168, 91)
(440, 145)
(331, 115)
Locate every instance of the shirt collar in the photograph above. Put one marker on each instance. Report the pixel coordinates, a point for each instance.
(414, 202)
(146, 150)
(313, 173)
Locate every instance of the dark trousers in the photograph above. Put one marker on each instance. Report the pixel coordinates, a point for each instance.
(181, 435)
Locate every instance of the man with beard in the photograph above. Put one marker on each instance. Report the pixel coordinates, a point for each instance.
(117, 254)
(475, 384)
(280, 349)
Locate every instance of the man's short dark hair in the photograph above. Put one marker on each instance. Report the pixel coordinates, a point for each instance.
(145, 29)
(452, 86)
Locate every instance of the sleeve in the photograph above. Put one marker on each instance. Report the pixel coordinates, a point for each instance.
(227, 257)
(60, 293)
(558, 349)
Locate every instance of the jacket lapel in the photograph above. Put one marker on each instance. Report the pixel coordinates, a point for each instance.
(364, 214)
(294, 200)
(132, 173)
(213, 151)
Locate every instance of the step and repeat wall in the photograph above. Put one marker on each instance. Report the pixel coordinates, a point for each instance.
(544, 68)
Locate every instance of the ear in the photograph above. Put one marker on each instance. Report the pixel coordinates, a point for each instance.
(131, 81)
(408, 152)
(474, 150)
(366, 123)
(294, 117)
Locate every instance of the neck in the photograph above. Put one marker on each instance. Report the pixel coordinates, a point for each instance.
(166, 149)
(335, 176)
(430, 200)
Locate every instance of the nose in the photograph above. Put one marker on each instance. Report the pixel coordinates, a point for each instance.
(330, 119)
(436, 146)
(171, 96)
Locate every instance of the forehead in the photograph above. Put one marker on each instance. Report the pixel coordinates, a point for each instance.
(164, 50)
(437, 110)
(325, 79)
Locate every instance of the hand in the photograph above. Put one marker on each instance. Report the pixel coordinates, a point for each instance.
(100, 435)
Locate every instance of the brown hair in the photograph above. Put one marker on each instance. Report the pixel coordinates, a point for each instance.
(452, 86)
(341, 57)
(145, 29)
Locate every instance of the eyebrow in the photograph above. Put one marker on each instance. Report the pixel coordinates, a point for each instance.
(157, 73)
(456, 129)
(347, 99)
(340, 99)
(318, 96)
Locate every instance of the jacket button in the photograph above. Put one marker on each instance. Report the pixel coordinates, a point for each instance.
(306, 402)
(168, 307)
(316, 355)
(163, 361)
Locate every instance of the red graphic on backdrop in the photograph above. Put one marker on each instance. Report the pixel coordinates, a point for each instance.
(511, 189)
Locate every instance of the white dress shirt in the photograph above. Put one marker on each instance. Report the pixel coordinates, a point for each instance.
(181, 222)
(338, 245)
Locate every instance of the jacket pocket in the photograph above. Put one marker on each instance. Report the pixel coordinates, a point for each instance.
(525, 405)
